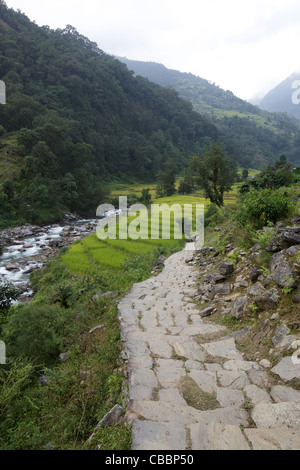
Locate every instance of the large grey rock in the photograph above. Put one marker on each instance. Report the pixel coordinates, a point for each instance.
(218, 436)
(282, 336)
(256, 289)
(112, 417)
(281, 393)
(226, 268)
(287, 369)
(222, 289)
(254, 273)
(147, 435)
(257, 395)
(267, 300)
(206, 312)
(225, 349)
(238, 307)
(273, 439)
(277, 415)
(283, 275)
(229, 398)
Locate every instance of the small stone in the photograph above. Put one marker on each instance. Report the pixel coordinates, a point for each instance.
(96, 328)
(265, 363)
(64, 356)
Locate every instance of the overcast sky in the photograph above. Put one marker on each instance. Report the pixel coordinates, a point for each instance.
(246, 46)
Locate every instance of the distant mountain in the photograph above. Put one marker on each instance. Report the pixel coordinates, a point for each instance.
(284, 97)
(255, 136)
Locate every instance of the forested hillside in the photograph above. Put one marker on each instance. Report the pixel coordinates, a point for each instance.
(255, 136)
(76, 117)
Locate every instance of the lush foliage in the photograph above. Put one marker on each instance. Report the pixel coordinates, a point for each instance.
(273, 176)
(215, 172)
(266, 206)
(76, 117)
(254, 136)
(8, 293)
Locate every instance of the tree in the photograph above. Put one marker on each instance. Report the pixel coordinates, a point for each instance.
(215, 172)
(166, 179)
(245, 174)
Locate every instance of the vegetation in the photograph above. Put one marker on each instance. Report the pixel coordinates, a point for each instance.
(254, 136)
(76, 118)
(215, 173)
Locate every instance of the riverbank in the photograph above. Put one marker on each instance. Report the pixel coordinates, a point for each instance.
(30, 247)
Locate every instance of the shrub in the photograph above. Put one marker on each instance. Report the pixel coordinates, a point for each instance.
(263, 207)
(35, 332)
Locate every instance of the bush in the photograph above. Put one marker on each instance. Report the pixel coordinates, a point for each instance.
(35, 332)
(265, 207)
(211, 216)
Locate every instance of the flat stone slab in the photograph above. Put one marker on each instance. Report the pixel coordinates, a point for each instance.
(164, 412)
(287, 370)
(230, 398)
(206, 380)
(147, 435)
(217, 436)
(233, 379)
(257, 395)
(284, 414)
(273, 439)
(225, 349)
(281, 393)
(186, 347)
(171, 395)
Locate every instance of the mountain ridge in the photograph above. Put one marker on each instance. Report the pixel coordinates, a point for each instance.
(257, 137)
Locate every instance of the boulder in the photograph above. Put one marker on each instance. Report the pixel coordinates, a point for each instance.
(283, 275)
(267, 300)
(207, 312)
(222, 289)
(239, 307)
(282, 338)
(254, 273)
(226, 268)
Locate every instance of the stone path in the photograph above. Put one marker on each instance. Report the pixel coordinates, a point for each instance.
(168, 346)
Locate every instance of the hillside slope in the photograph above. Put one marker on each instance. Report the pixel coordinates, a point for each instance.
(78, 117)
(256, 136)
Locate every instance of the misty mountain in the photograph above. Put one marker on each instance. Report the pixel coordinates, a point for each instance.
(284, 97)
(255, 136)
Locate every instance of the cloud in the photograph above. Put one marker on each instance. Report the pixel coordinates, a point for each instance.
(243, 46)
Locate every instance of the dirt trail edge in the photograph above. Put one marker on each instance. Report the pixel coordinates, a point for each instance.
(189, 386)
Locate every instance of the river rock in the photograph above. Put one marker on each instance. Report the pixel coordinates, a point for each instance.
(12, 267)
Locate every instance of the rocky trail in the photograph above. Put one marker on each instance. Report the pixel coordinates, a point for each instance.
(190, 388)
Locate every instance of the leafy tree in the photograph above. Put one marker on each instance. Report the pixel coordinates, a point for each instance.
(145, 197)
(215, 172)
(273, 176)
(166, 179)
(245, 174)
